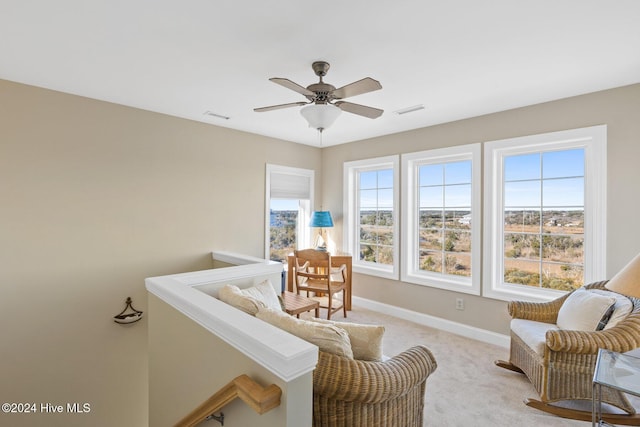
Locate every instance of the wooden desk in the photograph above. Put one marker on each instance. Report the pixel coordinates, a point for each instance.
(336, 261)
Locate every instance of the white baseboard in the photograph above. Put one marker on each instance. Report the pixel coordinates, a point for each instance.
(435, 322)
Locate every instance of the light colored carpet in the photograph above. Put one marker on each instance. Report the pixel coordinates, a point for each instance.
(467, 389)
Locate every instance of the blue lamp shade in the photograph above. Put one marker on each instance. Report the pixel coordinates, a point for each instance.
(321, 219)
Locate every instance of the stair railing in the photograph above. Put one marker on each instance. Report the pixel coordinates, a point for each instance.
(260, 399)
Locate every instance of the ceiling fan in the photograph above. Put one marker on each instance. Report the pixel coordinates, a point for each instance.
(326, 101)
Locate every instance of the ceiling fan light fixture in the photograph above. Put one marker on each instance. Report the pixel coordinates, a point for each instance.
(320, 116)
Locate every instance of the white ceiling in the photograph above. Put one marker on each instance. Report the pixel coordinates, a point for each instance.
(460, 58)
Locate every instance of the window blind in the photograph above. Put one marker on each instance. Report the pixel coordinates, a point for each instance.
(290, 186)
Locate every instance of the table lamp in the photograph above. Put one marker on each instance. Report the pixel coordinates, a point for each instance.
(321, 219)
(627, 281)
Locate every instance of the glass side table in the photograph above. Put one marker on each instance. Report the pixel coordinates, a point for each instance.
(616, 370)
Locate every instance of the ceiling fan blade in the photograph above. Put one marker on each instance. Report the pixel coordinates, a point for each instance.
(356, 88)
(293, 86)
(277, 107)
(361, 110)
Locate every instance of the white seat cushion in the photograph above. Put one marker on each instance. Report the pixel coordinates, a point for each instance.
(532, 333)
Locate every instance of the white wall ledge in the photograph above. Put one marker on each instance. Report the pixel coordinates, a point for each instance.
(239, 259)
(285, 355)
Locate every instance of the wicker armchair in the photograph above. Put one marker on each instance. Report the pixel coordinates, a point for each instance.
(355, 393)
(565, 371)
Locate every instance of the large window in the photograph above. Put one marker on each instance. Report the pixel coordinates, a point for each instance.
(370, 208)
(441, 220)
(545, 197)
(289, 192)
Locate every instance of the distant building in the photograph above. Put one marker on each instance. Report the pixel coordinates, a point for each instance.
(465, 220)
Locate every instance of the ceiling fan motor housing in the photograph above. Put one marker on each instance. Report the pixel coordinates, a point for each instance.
(323, 92)
(320, 68)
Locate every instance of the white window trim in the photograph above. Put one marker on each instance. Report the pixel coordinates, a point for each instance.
(303, 231)
(351, 209)
(594, 141)
(410, 187)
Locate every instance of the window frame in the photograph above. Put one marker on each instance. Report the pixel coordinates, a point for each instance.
(411, 272)
(594, 142)
(351, 214)
(303, 231)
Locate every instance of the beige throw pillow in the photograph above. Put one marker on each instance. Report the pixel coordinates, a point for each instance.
(264, 293)
(250, 300)
(328, 338)
(583, 310)
(366, 340)
(233, 296)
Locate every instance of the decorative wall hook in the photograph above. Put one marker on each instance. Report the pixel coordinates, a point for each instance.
(128, 315)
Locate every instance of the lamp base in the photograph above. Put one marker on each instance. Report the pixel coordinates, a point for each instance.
(320, 244)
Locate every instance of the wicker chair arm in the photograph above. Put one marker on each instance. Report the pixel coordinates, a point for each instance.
(543, 311)
(345, 379)
(624, 336)
(539, 311)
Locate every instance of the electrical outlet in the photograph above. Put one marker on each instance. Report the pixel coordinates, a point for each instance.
(459, 304)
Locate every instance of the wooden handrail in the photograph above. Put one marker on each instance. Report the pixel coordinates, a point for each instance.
(260, 399)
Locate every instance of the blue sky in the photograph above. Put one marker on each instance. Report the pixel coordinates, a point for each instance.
(553, 179)
(284, 205)
(446, 173)
(376, 179)
(446, 185)
(552, 164)
(376, 189)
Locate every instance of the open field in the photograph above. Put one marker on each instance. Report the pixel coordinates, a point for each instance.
(548, 254)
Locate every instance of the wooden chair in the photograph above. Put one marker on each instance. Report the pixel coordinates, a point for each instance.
(313, 273)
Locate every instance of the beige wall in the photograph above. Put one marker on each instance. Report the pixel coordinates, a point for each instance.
(187, 364)
(619, 109)
(90, 192)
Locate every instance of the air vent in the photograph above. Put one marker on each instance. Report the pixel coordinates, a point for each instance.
(217, 116)
(409, 109)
